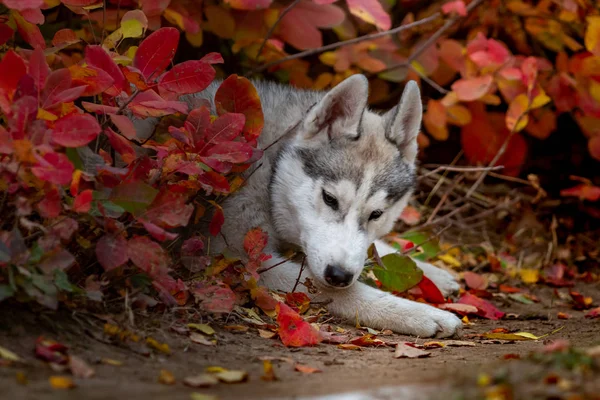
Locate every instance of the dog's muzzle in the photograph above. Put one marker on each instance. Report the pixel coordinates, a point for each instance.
(337, 277)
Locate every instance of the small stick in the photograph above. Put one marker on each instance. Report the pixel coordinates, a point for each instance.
(261, 270)
(299, 274)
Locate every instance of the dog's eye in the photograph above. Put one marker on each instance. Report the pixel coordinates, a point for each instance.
(330, 200)
(375, 215)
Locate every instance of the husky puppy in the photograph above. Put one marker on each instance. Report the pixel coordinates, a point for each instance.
(334, 181)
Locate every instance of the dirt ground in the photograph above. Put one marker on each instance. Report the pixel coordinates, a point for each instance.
(371, 373)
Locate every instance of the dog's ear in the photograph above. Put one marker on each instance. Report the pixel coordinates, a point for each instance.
(403, 122)
(340, 111)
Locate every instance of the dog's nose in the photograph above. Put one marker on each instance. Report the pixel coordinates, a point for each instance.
(336, 276)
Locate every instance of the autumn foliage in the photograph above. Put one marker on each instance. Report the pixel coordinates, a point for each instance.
(90, 208)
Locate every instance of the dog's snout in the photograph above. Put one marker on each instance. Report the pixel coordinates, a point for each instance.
(336, 276)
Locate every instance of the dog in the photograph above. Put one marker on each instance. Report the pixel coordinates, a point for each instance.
(334, 178)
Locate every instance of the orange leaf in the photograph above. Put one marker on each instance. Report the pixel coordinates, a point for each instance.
(370, 11)
(516, 116)
(473, 88)
(305, 369)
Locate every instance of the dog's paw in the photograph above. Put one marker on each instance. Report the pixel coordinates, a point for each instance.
(433, 322)
(442, 279)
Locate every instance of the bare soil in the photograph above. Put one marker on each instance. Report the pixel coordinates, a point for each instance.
(371, 373)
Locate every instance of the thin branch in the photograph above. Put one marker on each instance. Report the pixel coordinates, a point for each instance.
(430, 81)
(440, 168)
(299, 275)
(498, 155)
(347, 42)
(261, 270)
(425, 45)
(272, 28)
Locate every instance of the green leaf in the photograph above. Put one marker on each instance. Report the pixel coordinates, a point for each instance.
(61, 280)
(4, 252)
(74, 157)
(141, 281)
(430, 248)
(401, 273)
(6, 291)
(133, 197)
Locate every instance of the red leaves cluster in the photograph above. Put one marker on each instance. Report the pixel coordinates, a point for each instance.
(50, 163)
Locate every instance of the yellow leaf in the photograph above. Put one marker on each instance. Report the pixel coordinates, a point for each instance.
(110, 361)
(592, 35)
(61, 382)
(195, 39)
(220, 21)
(539, 100)
(516, 116)
(8, 355)
(166, 377)
(202, 396)
(491, 99)
(21, 378)
(162, 347)
(113, 39)
(328, 58)
(45, 115)
(448, 259)
(529, 275)
(510, 336)
(232, 376)
(595, 90)
(458, 115)
(132, 28)
(204, 328)
(214, 369)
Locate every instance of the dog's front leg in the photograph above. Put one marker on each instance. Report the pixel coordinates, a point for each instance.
(380, 310)
(372, 307)
(442, 279)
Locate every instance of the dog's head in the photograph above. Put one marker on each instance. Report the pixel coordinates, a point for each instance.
(343, 179)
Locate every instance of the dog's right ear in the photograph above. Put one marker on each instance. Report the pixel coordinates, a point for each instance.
(340, 111)
(403, 122)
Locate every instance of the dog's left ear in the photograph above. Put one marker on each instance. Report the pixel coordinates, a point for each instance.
(340, 111)
(403, 122)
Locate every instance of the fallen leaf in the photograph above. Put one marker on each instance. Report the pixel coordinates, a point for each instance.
(61, 382)
(529, 275)
(510, 336)
(202, 396)
(305, 369)
(110, 361)
(593, 313)
(200, 339)
(459, 343)
(269, 372)
(201, 381)
(433, 345)
(236, 328)
(79, 368)
(293, 330)
(475, 281)
(484, 308)
(348, 346)
(162, 347)
(266, 334)
(462, 309)
(21, 378)
(8, 355)
(404, 350)
(232, 376)
(204, 328)
(166, 377)
(581, 302)
(368, 340)
(562, 315)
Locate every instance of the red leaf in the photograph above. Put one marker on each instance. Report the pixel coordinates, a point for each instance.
(50, 206)
(293, 330)
(157, 232)
(213, 58)
(99, 108)
(158, 108)
(217, 221)
(249, 4)
(218, 298)
(34, 16)
(83, 201)
(581, 302)
(148, 256)
(66, 96)
(6, 33)
(475, 281)
(370, 11)
(39, 69)
(485, 308)
(154, 7)
(593, 313)
(368, 340)
(255, 242)
(430, 291)
(21, 5)
(51, 351)
(94, 79)
(169, 209)
(188, 77)
(583, 191)
(198, 120)
(300, 26)
(111, 251)
(471, 89)
(238, 95)
(64, 37)
(299, 301)
(54, 168)
(233, 152)
(57, 82)
(125, 126)
(76, 130)
(456, 6)
(156, 52)
(263, 299)
(225, 128)
(99, 58)
(121, 145)
(12, 68)
(28, 31)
